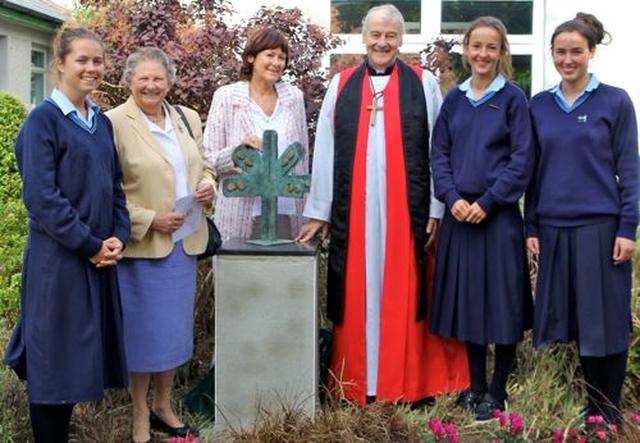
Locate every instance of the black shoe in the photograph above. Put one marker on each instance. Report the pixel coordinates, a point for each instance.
(485, 409)
(423, 403)
(468, 400)
(158, 424)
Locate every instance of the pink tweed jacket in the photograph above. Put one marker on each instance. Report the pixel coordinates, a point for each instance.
(228, 122)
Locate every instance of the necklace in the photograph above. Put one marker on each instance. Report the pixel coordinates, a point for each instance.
(373, 107)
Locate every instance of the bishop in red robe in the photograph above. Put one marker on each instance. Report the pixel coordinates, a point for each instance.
(371, 189)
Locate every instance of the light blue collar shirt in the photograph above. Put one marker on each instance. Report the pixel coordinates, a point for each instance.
(562, 101)
(496, 85)
(68, 109)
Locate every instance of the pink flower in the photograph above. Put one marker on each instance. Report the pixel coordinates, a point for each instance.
(558, 436)
(595, 419)
(582, 440)
(613, 427)
(436, 427)
(573, 433)
(601, 435)
(634, 417)
(517, 423)
(501, 416)
(451, 430)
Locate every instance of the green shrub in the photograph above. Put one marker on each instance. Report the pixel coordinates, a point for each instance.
(12, 114)
(13, 229)
(14, 415)
(633, 364)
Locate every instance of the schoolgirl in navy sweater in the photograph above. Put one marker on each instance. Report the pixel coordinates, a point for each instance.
(582, 213)
(482, 160)
(68, 344)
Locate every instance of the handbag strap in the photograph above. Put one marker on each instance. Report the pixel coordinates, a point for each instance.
(184, 119)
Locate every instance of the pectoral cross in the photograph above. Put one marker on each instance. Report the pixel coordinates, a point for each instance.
(374, 108)
(267, 176)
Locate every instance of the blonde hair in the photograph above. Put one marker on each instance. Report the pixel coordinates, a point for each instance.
(504, 66)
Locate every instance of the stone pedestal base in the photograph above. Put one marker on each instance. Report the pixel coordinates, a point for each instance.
(266, 331)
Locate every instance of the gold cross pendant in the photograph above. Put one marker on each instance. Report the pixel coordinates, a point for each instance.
(373, 108)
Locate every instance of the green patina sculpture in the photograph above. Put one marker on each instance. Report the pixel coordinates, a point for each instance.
(266, 176)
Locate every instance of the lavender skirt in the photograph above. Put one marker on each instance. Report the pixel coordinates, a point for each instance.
(158, 307)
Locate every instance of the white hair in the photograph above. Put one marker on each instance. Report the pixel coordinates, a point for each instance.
(389, 14)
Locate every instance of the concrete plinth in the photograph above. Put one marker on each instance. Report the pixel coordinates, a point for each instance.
(266, 329)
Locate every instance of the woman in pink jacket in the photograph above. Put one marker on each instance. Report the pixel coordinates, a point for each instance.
(239, 114)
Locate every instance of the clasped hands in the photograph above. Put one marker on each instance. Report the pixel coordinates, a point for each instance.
(110, 253)
(463, 211)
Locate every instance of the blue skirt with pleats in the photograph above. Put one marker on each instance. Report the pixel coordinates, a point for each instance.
(580, 294)
(482, 289)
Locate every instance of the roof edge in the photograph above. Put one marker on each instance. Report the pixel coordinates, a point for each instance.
(41, 9)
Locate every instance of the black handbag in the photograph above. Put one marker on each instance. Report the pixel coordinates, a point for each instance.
(214, 243)
(215, 239)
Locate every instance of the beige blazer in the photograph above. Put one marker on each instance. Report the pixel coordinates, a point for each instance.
(148, 178)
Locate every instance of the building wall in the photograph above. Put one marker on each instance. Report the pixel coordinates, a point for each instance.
(16, 42)
(613, 63)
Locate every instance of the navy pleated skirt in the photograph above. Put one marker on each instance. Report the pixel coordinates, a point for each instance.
(581, 295)
(482, 289)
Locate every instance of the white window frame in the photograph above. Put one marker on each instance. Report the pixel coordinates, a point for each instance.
(38, 70)
(431, 17)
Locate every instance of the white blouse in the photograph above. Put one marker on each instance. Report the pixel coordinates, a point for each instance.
(171, 146)
(275, 122)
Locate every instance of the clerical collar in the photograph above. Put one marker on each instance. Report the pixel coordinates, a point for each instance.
(387, 70)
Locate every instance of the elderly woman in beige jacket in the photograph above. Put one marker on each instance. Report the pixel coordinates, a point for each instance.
(239, 114)
(161, 164)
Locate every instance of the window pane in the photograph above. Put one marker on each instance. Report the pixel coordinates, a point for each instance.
(522, 72)
(37, 59)
(517, 15)
(347, 15)
(37, 88)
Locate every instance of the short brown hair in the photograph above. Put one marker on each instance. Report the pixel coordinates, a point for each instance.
(261, 40)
